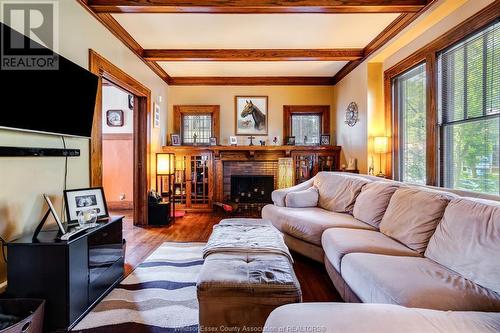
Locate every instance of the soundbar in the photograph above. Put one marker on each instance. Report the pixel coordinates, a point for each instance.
(38, 152)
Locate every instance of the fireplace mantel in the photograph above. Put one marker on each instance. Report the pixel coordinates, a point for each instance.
(249, 152)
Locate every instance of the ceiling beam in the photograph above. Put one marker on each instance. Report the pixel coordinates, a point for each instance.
(256, 6)
(251, 81)
(254, 55)
(401, 22)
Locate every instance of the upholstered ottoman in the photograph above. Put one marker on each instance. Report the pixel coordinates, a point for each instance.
(247, 273)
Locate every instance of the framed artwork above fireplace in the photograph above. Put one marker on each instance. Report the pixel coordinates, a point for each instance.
(251, 115)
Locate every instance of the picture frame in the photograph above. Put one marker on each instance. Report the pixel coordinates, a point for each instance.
(233, 140)
(54, 214)
(156, 115)
(251, 115)
(175, 139)
(290, 141)
(85, 198)
(213, 141)
(324, 140)
(114, 118)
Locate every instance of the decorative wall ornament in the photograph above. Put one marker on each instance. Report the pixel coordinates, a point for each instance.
(351, 114)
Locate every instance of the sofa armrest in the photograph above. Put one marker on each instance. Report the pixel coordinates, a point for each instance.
(278, 196)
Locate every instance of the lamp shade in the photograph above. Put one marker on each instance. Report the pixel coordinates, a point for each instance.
(165, 164)
(380, 144)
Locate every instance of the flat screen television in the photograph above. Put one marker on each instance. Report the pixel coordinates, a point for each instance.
(58, 101)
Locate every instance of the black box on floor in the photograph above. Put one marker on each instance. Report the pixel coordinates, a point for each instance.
(159, 213)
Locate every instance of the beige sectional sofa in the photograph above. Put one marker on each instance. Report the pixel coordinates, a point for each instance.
(387, 242)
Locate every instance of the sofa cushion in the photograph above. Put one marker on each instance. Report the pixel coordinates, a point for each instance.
(468, 241)
(414, 282)
(279, 196)
(308, 224)
(413, 215)
(376, 318)
(338, 192)
(373, 200)
(337, 242)
(302, 199)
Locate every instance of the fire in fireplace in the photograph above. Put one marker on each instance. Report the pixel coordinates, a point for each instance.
(251, 188)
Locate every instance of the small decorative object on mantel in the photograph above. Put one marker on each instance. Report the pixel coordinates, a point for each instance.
(251, 140)
(213, 141)
(251, 115)
(290, 141)
(175, 139)
(114, 118)
(276, 140)
(233, 141)
(262, 142)
(351, 114)
(325, 139)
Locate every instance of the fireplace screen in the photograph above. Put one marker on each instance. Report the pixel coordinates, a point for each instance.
(251, 189)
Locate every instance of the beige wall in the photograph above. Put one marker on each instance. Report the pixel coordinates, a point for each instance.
(23, 180)
(224, 96)
(353, 139)
(364, 85)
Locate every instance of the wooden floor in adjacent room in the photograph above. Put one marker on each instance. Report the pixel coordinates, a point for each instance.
(197, 227)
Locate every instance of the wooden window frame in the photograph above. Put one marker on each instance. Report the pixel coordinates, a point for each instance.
(322, 110)
(213, 110)
(428, 55)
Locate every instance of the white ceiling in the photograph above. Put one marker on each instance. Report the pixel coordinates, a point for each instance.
(276, 31)
(262, 68)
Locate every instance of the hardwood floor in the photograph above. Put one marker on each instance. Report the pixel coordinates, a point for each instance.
(197, 227)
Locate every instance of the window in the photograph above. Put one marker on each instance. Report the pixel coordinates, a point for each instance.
(306, 123)
(196, 128)
(197, 121)
(306, 128)
(469, 105)
(410, 105)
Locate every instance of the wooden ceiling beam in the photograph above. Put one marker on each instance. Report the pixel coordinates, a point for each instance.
(256, 6)
(253, 55)
(251, 81)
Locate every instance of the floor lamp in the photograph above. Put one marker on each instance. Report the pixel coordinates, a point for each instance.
(165, 167)
(380, 146)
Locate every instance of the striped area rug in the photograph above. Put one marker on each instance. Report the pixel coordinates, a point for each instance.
(159, 296)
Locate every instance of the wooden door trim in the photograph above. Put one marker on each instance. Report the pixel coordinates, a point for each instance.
(142, 108)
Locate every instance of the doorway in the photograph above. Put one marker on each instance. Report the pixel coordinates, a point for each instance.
(118, 148)
(110, 74)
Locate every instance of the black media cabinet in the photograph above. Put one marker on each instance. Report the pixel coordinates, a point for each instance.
(72, 276)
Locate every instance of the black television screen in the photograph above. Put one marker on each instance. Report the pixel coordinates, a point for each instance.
(57, 100)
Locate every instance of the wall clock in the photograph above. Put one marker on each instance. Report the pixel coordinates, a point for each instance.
(351, 114)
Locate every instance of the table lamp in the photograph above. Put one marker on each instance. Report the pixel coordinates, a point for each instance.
(380, 146)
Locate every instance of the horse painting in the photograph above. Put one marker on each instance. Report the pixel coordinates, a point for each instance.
(251, 120)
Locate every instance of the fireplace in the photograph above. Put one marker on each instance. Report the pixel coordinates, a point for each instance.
(251, 188)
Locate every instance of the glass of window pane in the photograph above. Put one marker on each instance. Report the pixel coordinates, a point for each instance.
(411, 106)
(306, 129)
(471, 154)
(197, 129)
